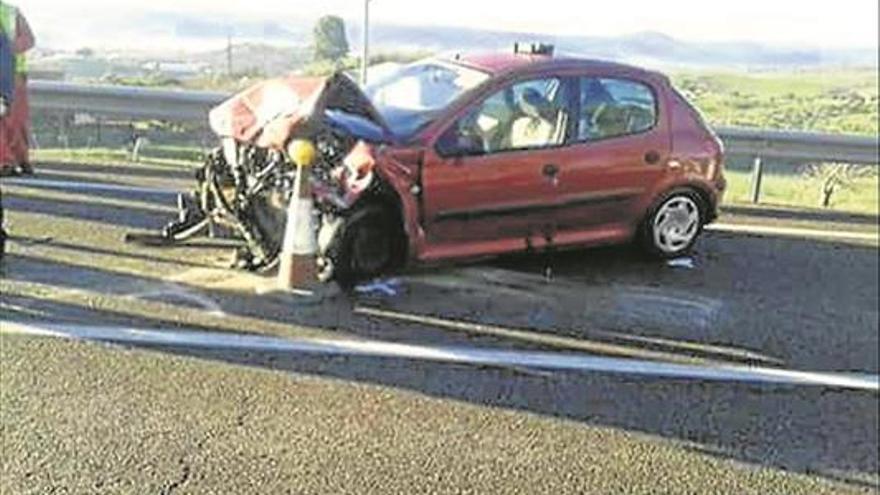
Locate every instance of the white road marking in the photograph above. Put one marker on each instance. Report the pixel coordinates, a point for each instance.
(87, 186)
(458, 355)
(181, 293)
(793, 232)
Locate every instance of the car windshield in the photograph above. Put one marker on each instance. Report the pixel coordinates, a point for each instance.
(411, 96)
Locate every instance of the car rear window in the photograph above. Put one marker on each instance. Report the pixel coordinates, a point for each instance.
(611, 107)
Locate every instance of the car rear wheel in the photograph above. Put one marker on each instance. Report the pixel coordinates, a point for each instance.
(672, 227)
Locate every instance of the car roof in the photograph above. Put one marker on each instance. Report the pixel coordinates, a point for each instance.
(499, 63)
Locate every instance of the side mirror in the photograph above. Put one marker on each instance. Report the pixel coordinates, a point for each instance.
(469, 144)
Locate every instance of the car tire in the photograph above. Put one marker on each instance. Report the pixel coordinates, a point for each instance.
(370, 244)
(673, 224)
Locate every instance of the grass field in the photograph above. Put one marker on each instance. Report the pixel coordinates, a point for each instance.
(844, 101)
(800, 192)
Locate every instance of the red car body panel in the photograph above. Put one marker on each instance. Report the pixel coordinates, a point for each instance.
(266, 113)
(269, 113)
(497, 203)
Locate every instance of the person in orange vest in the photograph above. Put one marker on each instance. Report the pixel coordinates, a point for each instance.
(15, 119)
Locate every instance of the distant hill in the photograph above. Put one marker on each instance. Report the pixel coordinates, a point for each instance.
(650, 48)
(201, 33)
(653, 48)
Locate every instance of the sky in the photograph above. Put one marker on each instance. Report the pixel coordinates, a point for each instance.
(787, 23)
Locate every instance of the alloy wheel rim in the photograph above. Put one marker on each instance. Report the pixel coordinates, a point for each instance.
(676, 224)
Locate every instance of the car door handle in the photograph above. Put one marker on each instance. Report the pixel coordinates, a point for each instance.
(551, 171)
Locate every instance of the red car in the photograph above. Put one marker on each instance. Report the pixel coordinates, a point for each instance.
(488, 154)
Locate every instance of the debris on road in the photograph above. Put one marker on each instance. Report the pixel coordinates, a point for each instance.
(685, 262)
(390, 287)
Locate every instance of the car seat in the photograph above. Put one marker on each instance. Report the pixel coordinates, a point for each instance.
(537, 125)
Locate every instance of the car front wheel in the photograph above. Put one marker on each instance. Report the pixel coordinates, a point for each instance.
(370, 244)
(672, 227)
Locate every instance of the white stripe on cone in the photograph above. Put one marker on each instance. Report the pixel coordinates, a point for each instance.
(297, 259)
(299, 238)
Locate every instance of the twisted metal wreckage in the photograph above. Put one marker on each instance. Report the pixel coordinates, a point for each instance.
(246, 183)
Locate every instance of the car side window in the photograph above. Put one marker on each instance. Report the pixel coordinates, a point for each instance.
(525, 115)
(614, 107)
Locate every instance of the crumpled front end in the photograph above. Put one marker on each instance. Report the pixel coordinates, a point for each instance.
(269, 114)
(247, 182)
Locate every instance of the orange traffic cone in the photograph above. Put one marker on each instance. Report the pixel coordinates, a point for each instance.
(297, 268)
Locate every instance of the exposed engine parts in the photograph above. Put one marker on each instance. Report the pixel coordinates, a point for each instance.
(246, 189)
(245, 186)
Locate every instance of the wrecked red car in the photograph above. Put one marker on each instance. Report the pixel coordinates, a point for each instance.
(464, 157)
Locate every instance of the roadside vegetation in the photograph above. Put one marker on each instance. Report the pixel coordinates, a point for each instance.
(837, 101)
(804, 191)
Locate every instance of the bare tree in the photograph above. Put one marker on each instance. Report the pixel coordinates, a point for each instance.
(833, 177)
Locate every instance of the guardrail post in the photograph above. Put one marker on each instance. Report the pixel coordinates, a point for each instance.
(62, 131)
(136, 141)
(136, 149)
(757, 177)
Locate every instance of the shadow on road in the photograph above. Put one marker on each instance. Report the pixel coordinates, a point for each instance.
(95, 250)
(809, 430)
(128, 216)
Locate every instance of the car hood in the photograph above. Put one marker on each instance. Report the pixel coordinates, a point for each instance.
(271, 112)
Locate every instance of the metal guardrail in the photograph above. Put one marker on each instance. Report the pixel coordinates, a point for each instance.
(801, 146)
(193, 106)
(795, 146)
(124, 101)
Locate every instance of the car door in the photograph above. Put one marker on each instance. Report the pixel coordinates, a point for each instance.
(616, 154)
(490, 179)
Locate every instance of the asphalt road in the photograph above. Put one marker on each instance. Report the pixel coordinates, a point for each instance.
(87, 417)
